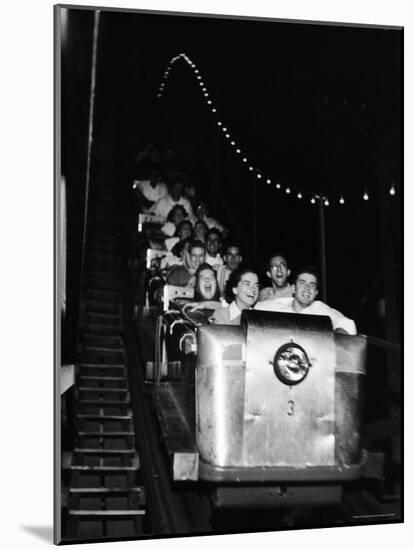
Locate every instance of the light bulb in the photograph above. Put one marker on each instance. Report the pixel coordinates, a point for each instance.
(287, 190)
(392, 189)
(299, 195)
(326, 203)
(268, 181)
(341, 200)
(238, 151)
(313, 200)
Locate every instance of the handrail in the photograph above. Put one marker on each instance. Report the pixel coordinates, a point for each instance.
(90, 135)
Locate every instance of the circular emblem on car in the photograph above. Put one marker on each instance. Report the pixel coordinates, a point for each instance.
(291, 364)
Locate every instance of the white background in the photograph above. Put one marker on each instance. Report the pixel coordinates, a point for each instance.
(26, 124)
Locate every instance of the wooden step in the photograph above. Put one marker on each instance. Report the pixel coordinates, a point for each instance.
(67, 464)
(102, 370)
(104, 451)
(104, 294)
(106, 434)
(104, 390)
(136, 512)
(104, 378)
(102, 356)
(112, 305)
(101, 340)
(105, 402)
(97, 382)
(102, 349)
(106, 490)
(107, 259)
(101, 366)
(102, 316)
(97, 329)
(104, 417)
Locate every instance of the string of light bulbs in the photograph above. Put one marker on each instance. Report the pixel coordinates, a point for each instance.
(259, 174)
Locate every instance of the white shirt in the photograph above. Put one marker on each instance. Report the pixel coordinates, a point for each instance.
(169, 228)
(214, 261)
(234, 311)
(162, 207)
(151, 193)
(316, 308)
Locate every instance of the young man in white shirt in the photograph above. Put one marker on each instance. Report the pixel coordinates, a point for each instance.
(306, 290)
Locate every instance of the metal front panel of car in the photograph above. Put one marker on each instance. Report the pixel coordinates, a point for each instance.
(220, 391)
(248, 418)
(289, 425)
(350, 369)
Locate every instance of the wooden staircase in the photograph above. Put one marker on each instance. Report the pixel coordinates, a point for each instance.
(104, 496)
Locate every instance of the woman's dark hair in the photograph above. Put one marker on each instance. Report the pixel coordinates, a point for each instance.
(234, 280)
(174, 209)
(197, 293)
(180, 225)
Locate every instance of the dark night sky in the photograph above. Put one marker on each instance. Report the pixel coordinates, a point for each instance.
(280, 89)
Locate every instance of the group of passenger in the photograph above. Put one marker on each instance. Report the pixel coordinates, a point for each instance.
(200, 255)
(242, 292)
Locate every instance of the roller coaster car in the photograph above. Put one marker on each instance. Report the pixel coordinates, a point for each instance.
(273, 405)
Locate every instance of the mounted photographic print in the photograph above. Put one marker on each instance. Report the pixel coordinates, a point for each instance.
(229, 199)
